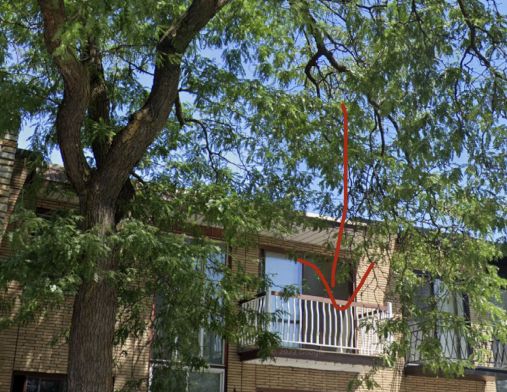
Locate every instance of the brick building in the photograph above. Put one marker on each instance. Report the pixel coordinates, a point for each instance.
(322, 349)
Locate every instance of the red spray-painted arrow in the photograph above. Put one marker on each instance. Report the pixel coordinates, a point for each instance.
(340, 231)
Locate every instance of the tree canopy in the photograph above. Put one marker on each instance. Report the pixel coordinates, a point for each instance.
(230, 111)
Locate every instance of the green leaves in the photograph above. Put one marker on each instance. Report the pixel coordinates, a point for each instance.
(259, 140)
(188, 276)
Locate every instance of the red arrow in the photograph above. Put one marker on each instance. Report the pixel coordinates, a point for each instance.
(340, 231)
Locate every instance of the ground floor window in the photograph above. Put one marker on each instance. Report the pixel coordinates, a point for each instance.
(499, 348)
(38, 382)
(168, 370)
(501, 386)
(211, 379)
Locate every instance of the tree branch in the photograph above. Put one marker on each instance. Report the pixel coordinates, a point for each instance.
(322, 50)
(130, 144)
(179, 110)
(207, 145)
(99, 106)
(72, 109)
(308, 71)
(473, 41)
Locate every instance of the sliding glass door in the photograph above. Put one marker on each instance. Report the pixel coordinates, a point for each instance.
(283, 271)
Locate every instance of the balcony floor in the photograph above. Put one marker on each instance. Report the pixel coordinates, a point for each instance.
(478, 373)
(313, 359)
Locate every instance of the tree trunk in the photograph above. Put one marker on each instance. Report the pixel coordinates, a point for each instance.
(90, 367)
(94, 314)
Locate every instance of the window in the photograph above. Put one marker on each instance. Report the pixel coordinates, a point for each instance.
(211, 380)
(499, 348)
(211, 350)
(212, 347)
(207, 380)
(284, 271)
(452, 344)
(294, 319)
(31, 382)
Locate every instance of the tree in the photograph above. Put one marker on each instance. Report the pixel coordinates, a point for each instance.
(241, 126)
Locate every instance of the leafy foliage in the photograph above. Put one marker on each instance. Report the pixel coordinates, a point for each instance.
(255, 138)
(187, 278)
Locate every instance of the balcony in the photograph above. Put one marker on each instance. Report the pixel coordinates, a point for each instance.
(305, 323)
(454, 347)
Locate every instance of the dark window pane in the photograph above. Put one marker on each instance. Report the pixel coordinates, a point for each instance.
(204, 382)
(32, 385)
(18, 383)
(168, 380)
(501, 386)
(212, 349)
(423, 294)
(42, 383)
(213, 267)
(51, 386)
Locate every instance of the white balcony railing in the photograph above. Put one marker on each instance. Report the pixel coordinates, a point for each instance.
(306, 321)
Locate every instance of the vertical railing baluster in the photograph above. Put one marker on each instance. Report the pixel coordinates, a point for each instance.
(306, 322)
(364, 337)
(317, 309)
(299, 320)
(282, 316)
(291, 323)
(324, 321)
(369, 325)
(288, 319)
(312, 340)
(290, 306)
(267, 307)
(278, 315)
(345, 337)
(330, 309)
(341, 330)
(284, 319)
(336, 327)
(294, 318)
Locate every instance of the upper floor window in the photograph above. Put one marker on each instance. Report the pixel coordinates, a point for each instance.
(282, 270)
(436, 294)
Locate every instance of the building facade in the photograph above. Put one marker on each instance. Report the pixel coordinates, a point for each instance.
(322, 349)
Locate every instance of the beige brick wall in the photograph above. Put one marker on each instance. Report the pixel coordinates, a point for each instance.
(8, 146)
(41, 347)
(252, 378)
